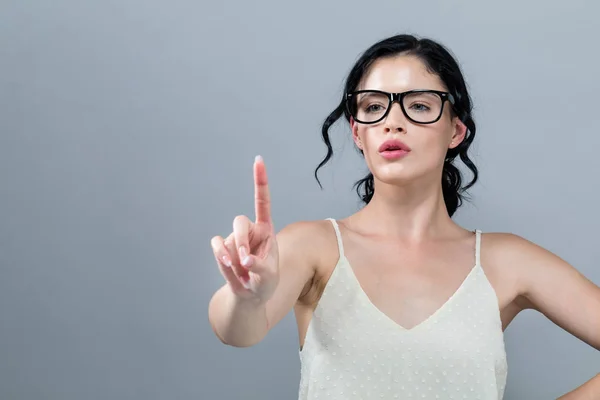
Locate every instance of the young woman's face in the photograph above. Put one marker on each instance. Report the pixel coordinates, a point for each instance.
(411, 150)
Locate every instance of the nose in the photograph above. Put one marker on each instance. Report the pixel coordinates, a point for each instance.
(395, 120)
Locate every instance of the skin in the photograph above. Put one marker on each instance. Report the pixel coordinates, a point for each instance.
(269, 274)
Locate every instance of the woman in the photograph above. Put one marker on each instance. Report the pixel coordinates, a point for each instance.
(397, 300)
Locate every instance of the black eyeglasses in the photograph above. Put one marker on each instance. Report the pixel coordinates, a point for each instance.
(419, 106)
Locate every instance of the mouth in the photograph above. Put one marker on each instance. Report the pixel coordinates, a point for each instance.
(393, 149)
(392, 146)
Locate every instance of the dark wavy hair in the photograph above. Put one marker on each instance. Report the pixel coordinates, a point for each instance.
(440, 62)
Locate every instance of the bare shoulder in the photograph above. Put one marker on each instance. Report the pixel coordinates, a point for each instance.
(315, 243)
(307, 234)
(312, 240)
(503, 241)
(524, 259)
(302, 246)
(519, 261)
(500, 250)
(307, 229)
(547, 283)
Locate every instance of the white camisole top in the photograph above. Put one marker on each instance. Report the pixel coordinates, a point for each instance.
(352, 350)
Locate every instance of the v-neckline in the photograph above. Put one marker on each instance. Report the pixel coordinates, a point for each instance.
(389, 319)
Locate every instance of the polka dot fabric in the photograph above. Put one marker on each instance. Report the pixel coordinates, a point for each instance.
(354, 351)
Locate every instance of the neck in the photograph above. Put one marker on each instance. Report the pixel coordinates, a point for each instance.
(413, 211)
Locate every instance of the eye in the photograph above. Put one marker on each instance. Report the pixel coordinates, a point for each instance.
(420, 107)
(374, 108)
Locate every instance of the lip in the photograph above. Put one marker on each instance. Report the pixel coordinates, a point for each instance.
(393, 145)
(393, 154)
(393, 149)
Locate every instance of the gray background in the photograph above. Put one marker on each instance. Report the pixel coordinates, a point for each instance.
(127, 134)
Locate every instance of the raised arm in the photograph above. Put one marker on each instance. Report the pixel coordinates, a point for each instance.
(264, 273)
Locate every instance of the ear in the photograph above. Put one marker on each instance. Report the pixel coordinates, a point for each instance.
(460, 131)
(355, 137)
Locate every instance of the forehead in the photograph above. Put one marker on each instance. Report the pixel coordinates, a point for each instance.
(400, 73)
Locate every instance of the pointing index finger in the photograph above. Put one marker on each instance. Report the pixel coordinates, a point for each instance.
(262, 200)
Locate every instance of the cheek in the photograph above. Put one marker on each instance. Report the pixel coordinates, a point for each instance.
(362, 138)
(434, 151)
(435, 142)
(437, 139)
(369, 143)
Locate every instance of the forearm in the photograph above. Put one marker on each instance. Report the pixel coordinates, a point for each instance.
(237, 322)
(588, 391)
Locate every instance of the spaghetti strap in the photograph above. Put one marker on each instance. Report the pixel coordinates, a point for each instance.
(338, 236)
(477, 247)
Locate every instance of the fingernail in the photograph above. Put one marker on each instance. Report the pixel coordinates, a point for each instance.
(258, 158)
(245, 283)
(246, 261)
(243, 252)
(226, 261)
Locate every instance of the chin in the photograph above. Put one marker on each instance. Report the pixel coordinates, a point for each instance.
(401, 174)
(395, 174)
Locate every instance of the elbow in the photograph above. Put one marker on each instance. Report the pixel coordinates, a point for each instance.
(236, 324)
(234, 341)
(219, 336)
